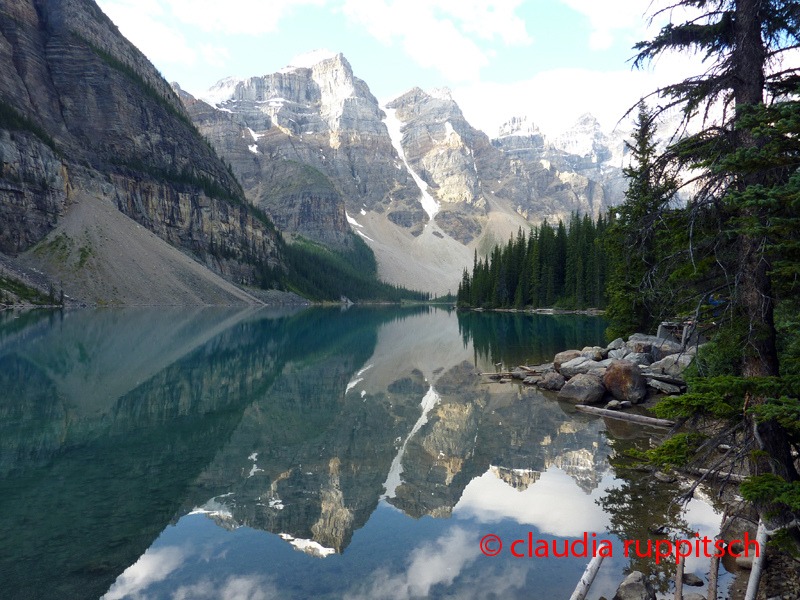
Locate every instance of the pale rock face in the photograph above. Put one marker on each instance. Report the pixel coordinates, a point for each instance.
(437, 142)
(311, 142)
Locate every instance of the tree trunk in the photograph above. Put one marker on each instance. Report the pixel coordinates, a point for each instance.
(754, 292)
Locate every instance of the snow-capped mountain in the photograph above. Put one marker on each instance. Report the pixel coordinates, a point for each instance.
(314, 148)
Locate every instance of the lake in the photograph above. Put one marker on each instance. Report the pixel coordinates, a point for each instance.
(252, 454)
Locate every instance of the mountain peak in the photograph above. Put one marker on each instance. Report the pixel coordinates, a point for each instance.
(518, 126)
(309, 59)
(442, 93)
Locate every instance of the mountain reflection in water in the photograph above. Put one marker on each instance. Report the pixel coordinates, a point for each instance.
(326, 428)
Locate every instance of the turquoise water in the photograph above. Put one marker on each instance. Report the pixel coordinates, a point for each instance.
(317, 453)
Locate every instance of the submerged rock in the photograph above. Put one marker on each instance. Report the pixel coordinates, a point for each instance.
(635, 587)
(552, 381)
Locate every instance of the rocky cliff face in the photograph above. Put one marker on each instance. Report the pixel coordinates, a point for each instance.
(85, 113)
(315, 150)
(302, 140)
(584, 149)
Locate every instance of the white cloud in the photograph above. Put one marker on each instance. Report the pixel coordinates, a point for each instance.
(438, 33)
(434, 563)
(234, 588)
(554, 504)
(250, 17)
(152, 567)
(608, 16)
(216, 56)
(555, 99)
(140, 22)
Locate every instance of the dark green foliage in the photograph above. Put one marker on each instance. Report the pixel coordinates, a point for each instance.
(770, 488)
(319, 273)
(677, 451)
(24, 293)
(637, 238)
(563, 266)
(11, 119)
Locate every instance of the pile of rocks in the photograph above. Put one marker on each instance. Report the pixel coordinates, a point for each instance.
(620, 374)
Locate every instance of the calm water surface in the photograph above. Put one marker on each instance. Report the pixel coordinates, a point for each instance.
(319, 453)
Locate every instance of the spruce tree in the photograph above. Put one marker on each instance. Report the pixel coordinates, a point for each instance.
(726, 231)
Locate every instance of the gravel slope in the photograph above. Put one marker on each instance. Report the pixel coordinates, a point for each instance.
(104, 257)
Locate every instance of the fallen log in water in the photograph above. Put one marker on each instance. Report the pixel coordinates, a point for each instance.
(718, 474)
(679, 577)
(758, 563)
(614, 414)
(588, 577)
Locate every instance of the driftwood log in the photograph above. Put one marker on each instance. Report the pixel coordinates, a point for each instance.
(614, 414)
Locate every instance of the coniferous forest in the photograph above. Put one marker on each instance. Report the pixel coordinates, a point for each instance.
(564, 266)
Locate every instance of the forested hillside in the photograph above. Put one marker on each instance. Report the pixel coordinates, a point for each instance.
(563, 266)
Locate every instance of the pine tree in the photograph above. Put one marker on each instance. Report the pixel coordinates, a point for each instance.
(637, 292)
(726, 229)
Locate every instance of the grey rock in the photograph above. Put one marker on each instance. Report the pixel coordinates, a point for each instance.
(693, 596)
(619, 353)
(577, 366)
(614, 405)
(635, 587)
(663, 477)
(665, 348)
(616, 344)
(583, 389)
(532, 379)
(624, 381)
(597, 372)
(626, 404)
(672, 365)
(639, 358)
(664, 388)
(563, 357)
(593, 353)
(692, 580)
(744, 562)
(519, 373)
(552, 381)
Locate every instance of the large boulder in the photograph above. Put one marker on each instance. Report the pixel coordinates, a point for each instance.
(642, 343)
(594, 352)
(616, 344)
(635, 587)
(673, 365)
(553, 382)
(618, 353)
(653, 345)
(663, 387)
(578, 365)
(665, 348)
(625, 381)
(563, 357)
(583, 389)
(639, 358)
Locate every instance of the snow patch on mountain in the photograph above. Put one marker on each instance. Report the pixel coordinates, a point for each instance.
(220, 92)
(394, 125)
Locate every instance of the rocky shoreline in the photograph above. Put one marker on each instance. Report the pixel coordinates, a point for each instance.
(646, 368)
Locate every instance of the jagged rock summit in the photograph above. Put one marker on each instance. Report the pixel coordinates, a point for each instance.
(325, 159)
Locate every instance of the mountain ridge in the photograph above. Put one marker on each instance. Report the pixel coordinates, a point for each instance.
(410, 175)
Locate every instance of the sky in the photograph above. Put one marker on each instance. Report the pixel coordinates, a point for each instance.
(549, 60)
